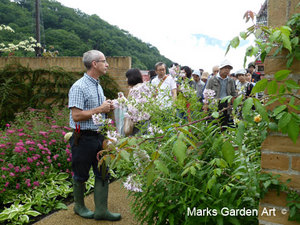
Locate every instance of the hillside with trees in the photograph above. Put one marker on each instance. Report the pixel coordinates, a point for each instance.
(71, 32)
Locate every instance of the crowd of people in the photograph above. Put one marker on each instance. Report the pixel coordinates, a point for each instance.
(86, 98)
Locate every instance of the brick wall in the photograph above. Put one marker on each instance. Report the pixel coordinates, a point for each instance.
(117, 66)
(279, 155)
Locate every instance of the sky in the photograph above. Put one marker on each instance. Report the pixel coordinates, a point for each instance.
(193, 33)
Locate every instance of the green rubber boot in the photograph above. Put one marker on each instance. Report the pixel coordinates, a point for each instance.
(79, 208)
(100, 198)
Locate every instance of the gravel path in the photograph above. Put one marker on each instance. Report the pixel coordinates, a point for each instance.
(117, 202)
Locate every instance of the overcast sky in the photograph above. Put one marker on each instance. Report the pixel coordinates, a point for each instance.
(190, 32)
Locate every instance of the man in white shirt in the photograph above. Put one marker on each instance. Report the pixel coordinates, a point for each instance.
(166, 85)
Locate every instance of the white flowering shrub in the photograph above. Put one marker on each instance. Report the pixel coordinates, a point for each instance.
(27, 45)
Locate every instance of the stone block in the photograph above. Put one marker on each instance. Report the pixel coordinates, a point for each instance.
(274, 161)
(296, 163)
(280, 144)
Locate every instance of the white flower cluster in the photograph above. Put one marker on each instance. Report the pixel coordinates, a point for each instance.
(27, 45)
(131, 185)
(98, 119)
(113, 136)
(120, 102)
(137, 104)
(154, 130)
(208, 95)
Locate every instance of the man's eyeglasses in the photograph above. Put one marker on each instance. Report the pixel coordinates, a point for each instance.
(103, 61)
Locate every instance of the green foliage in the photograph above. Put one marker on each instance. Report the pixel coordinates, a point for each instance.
(73, 32)
(272, 40)
(22, 88)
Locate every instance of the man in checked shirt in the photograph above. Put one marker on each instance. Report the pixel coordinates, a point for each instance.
(86, 98)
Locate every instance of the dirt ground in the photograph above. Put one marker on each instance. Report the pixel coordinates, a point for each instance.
(117, 202)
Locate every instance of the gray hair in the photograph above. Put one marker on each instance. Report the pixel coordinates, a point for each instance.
(160, 64)
(89, 57)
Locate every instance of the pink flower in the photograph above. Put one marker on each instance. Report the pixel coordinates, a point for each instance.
(72, 173)
(3, 176)
(55, 157)
(10, 165)
(28, 142)
(54, 126)
(2, 145)
(4, 169)
(36, 183)
(58, 164)
(7, 125)
(28, 184)
(17, 169)
(17, 186)
(29, 160)
(10, 131)
(11, 174)
(31, 149)
(43, 133)
(48, 157)
(20, 144)
(21, 134)
(6, 184)
(38, 163)
(20, 130)
(17, 150)
(42, 173)
(69, 159)
(49, 160)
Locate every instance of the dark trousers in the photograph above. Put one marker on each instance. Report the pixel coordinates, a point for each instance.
(84, 155)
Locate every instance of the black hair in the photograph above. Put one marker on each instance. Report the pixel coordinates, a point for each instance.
(152, 73)
(134, 77)
(187, 70)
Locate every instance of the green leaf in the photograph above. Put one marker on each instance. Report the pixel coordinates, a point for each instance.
(260, 86)
(243, 35)
(211, 182)
(286, 42)
(179, 150)
(235, 42)
(247, 107)
(279, 109)
(61, 205)
(272, 87)
(62, 176)
(284, 120)
(237, 101)
(258, 32)
(228, 152)
(150, 176)
(292, 84)
(3, 216)
(275, 36)
(281, 75)
(36, 213)
(161, 166)
(293, 130)
(226, 99)
(125, 155)
(24, 219)
(240, 133)
(281, 89)
(215, 115)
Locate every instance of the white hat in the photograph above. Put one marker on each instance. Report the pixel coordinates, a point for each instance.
(241, 71)
(224, 63)
(197, 72)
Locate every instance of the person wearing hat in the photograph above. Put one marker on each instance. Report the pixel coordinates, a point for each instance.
(251, 70)
(223, 86)
(198, 84)
(243, 86)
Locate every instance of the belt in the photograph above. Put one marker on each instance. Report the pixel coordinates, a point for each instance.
(89, 132)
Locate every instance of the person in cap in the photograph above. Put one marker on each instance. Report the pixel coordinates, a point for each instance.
(198, 84)
(251, 70)
(223, 86)
(243, 86)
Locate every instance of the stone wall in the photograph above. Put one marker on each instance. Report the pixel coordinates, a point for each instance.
(117, 66)
(279, 154)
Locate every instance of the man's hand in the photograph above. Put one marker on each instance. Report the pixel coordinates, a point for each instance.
(105, 107)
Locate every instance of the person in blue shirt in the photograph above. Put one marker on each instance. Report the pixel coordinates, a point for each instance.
(86, 98)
